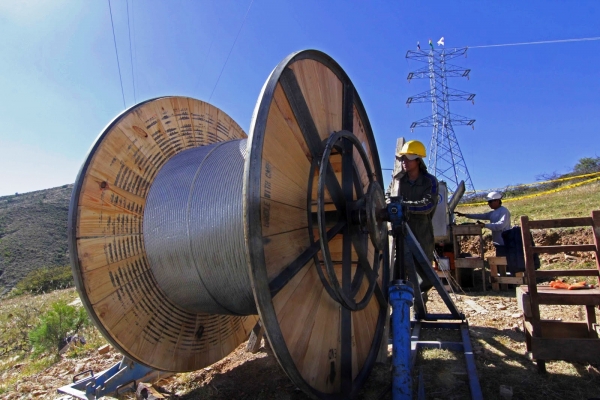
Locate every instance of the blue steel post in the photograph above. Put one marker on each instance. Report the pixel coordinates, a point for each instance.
(401, 298)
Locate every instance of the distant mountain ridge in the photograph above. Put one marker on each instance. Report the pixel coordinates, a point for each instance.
(33, 233)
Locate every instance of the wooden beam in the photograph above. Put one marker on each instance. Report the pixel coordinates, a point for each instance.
(566, 272)
(560, 223)
(563, 248)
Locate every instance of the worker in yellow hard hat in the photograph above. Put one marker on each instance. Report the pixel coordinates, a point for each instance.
(420, 190)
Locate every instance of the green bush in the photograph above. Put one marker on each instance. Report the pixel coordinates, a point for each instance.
(55, 325)
(587, 165)
(15, 325)
(44, 280)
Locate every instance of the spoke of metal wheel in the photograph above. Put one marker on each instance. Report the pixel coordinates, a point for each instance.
(380, 296)
(363, 260)
(295, 266)
(363, 263)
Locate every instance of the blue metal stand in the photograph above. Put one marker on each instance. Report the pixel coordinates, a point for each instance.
(401, 294)
(463, 346)
(113, 380)
(401, 299)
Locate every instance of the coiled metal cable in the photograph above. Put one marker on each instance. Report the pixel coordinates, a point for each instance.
(194, 233)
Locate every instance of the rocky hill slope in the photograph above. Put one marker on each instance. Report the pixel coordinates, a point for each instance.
(33, 233)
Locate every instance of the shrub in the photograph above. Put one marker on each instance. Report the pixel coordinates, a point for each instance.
(55, 325)
(15, 325)
(45, 280)
(587, 165)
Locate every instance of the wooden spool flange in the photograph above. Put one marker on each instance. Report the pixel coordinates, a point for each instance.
(106, 241)
(311, 191)
(325, 347)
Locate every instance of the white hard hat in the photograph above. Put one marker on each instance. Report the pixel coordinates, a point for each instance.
(494, 196)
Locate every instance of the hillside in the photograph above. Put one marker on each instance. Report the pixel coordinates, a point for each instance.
(33, 233)
(575, 202)
(33, 227)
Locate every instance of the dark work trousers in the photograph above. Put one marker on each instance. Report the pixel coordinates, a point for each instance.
(500, 251)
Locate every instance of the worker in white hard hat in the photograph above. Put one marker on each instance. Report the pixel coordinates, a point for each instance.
(499, 219)
(420, 190)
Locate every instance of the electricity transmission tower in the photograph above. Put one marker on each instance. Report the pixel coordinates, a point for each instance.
(446, 161)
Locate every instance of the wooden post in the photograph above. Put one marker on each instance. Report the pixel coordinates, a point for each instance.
(494, 274)
(481, 255)
(532, 285)
(591, 310)
(596, 229)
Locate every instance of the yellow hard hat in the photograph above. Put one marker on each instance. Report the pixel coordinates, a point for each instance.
(413, 149)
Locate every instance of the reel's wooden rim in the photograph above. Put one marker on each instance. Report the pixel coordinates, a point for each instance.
(273, 130)
(120, 294)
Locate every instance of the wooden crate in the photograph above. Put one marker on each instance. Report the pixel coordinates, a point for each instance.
(498, 277)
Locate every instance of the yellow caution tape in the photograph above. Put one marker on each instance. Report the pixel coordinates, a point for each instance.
(559, 179)
(527, 196)
(568, 178)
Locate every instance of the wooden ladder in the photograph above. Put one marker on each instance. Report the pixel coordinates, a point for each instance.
(552, 339)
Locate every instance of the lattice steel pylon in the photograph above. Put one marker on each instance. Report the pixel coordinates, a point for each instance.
(445, 161)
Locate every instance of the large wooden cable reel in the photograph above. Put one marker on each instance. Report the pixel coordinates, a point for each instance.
(172, 187)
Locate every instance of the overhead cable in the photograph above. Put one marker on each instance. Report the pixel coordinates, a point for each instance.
(230, 50)
(117, 53)
(540, 42)
(201, 66)
(131, 52)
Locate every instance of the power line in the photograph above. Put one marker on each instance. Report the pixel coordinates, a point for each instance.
(201, 66)
(117, 53)
(230, 50)
(541, 42)
(131, 52)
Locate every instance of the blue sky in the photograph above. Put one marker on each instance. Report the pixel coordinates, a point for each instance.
(536, 106)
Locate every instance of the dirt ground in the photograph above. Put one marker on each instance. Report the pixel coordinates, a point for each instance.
(496, 335)
(495, 322)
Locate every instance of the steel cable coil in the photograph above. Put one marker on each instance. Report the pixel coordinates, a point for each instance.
(193, 228)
